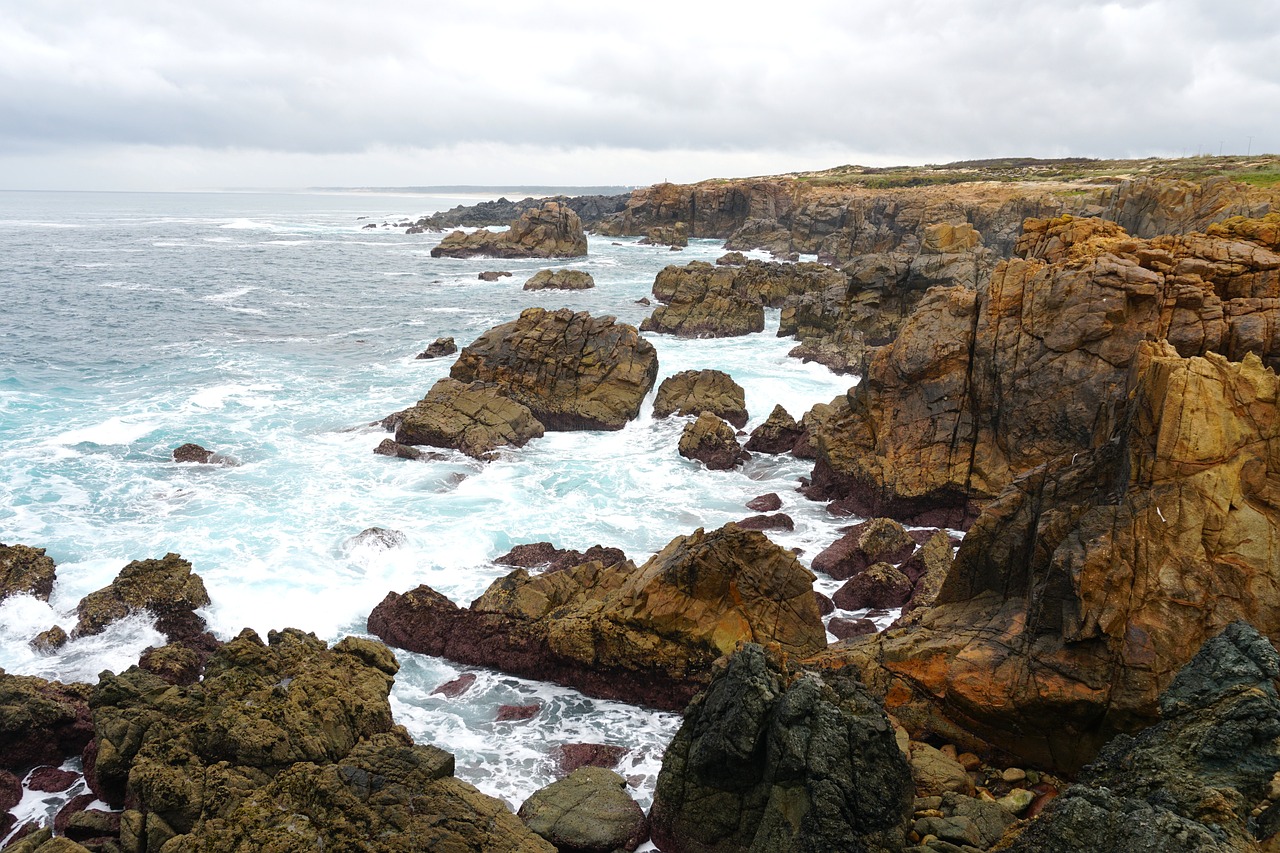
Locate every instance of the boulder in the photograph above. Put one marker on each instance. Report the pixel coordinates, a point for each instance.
(1090, 581)
(765, 503)
(439, 348)
(49, 640)
(646, 635)
(568, 757)
(934, 772)
(282, 745)
(549, 558)
(774, 521)
(166, 588)
(712, 442)
(391, 447)
(195, 453)
(778, 434)
(560, 280)
(1199, 780)
(692, 392)
(674, 235)
(571, 370)
(881, 540)
(844, 629)
(474, 418)
(588, 811)
(493, 275)
(767, 760)
(550, 231)
(25, 571)
(51, 780)
(41, 722)
(881, 585)
(927, 569)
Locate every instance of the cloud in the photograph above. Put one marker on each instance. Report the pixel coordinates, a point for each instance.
(334, 83)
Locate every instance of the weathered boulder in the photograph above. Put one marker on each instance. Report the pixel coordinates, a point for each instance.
(934, 772)
(692, 392)
(1089, 582)
(25, 571)
(166, 588)
(782, 761)
(1195, 780)
(560, 280)
(667, 235)
(282, 745)
(493, 275)
(697, 308)
(765, 503)
(590, 208)
(190, 452)
(880, 540)
(573, 371)
(550, 231)
(41, 722)
(391, 447)
(880, 585)
(645, 635)
(549, 558)
(712, 442)
(588, 811)
(473, 417)
(778, 434)
(439, 348)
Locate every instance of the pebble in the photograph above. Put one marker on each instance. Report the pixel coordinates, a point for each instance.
(1013, 774)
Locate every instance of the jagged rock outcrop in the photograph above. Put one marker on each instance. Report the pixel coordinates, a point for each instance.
(698, 302)
(167, 588)
(471, 417)
(571, 370)
(25, 571)
(646, 634)
(41, 722)
(712, 442)
(692, 392)
(1087, 584)
(282, 744)
(778, 434)
(191, 452)
(560, 280)
(1148, 207)
(549, 558)
(549, 231)
(770, 759)
(880, 540)
(1195, 780)
(981, 386)
(588, 811)
(439, 348)
(590, 209)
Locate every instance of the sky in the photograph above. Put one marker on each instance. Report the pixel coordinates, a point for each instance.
(127, 95)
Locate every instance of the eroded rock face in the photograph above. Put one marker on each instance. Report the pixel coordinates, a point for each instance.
(982, 386)
(471, 417)
(571, 370)
(778, 434)
(1190, 782)
(166, 588)
(645, 634)
(712, 442)
(692, 392)
(552, 230)
(560, 280)
(25, 571)
(1089, 582)
(781, 762)
(699, 302)
(41, 722)
(282, 743)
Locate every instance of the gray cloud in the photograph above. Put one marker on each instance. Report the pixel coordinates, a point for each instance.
(900, 82)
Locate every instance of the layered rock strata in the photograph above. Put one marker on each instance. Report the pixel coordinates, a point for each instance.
(646, 634)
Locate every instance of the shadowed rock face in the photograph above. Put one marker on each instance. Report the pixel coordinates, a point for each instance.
(1190, 782)
(571, 370)
(1086, 585)
(645, 634)
(550, 231)
(770, 760)
(981, 387)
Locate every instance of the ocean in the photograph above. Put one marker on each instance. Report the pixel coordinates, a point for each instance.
(276, 328)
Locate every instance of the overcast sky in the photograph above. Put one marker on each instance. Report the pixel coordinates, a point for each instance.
(158, 95)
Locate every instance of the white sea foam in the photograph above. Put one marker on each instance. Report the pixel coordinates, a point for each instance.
(120, 429)
(234, 293)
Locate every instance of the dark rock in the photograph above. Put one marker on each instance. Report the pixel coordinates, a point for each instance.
(881, 585)
(25, 571)
(73, 806)
(844, 628)
(778, 434)
(570, 756)
(573, 371)
(825, 605)
(550, 231)
(439, 348)
(731, 259)
(11, 790)
(166, 588)
(880, 540)
(492, 275)
(90, 824)
(474, 418)
(696, 305)
(391, 447)
(766, 762)
(588, 811)
(560, 280)
(51, 780)
(455, 688)
(692, 392)
(776, 521)
(765, 503)
(50, 640)
(712, 442)
(197, 454)
(590, 208)
(553, 559)
(41, 722)
(518, 713)
(643, 300)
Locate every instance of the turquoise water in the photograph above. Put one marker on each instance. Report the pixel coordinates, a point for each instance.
(275, 328)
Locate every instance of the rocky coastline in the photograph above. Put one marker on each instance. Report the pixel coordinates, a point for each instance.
(1061, 468)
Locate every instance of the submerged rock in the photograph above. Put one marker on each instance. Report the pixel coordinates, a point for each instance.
(25, 571)
(781, 761)
(550, 231)
(195, 453)
(474, 418)
(573, 371)
(560, 280)
(692, 392)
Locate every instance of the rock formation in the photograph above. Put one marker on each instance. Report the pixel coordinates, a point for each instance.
(190, 452)
(692, 392)
(549, 231)
(768, 759)
(588, 811)
(471, 417)
(778, 434)
(41, 722)
(25, 571)
(166, 588)
(699, 302)
(439, 348)
(589, 208)
(646, 635)
(571, 370)
(560, 280)
(712, 442)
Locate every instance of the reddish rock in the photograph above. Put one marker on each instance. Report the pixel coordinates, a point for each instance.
(41, 722)
(776, 521)
(825, 605)
(51, 779)
(75, 805)
(455, 688)
(553, 559)
(778, 434)
(390, 447)
(881, 540)
(765, 503)
(570, 756)
(517, 713)
(439, 348)
(881, 585)
(844, 628)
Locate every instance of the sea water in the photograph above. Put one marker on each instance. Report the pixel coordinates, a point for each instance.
(276, 329)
